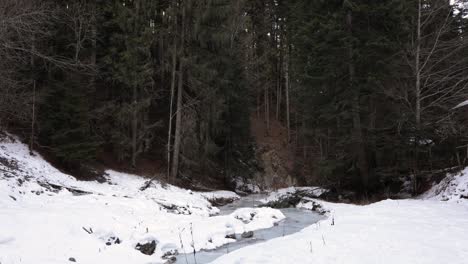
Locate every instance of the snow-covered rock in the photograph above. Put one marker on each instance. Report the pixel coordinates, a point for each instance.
(312, 205)
(290, 197)
(220, 197)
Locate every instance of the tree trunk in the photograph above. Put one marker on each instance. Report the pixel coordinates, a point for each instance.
(278, 94)
(267, 109)
(417, 69)
(357, 127)
(259, 105)
(177, 136)
(93, 44)
(135, 105)
(33, 113)
(417, 90)
(286, 75)
(134, 126)
(280, 76)
(33, 120)
(173, 81)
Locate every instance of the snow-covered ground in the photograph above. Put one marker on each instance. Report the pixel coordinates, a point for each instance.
(425, 231)
(406, 231)
(47, 216)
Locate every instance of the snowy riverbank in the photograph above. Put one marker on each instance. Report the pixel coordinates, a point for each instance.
(425, 231)
(49, 217)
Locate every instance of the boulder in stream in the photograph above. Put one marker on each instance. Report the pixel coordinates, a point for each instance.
(231, 236)
(248, 234)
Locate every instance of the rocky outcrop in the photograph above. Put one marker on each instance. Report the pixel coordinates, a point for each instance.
(275, 172)
(274, 154)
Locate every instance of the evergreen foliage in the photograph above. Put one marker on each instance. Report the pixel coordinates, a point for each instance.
(364, 91)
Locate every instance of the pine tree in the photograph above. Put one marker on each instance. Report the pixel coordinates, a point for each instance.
(129, 63)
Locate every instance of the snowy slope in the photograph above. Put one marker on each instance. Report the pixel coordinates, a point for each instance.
(453, 188)
(406, 231)
(47, 216)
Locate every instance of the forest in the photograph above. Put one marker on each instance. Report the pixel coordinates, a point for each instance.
(347, 94)
(234, 131)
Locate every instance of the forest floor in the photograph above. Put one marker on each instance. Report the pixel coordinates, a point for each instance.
(47, 216)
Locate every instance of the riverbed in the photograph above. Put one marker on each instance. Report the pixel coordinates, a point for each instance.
(296, 219)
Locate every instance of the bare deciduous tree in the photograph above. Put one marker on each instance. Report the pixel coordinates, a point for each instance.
(438, 62)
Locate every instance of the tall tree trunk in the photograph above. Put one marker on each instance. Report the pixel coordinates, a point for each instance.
(134, 126)
(280, 76)
(417, 69)
(267, 109)
(177, 136)
(33, 120)
(259, 104)
(135, 104)
(173, 81)
(356, 111)
(286, 76)
(33, 113)
(278, 94)
(417, 90)
(93, 44)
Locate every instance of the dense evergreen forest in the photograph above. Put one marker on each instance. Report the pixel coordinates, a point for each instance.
(351, 94)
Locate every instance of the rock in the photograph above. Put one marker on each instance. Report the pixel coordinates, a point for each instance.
(231, 236)
(285, 201)
(246, 220)
(221, 201)
(316, 207)
(112, 240)
(170, 260)
(312, 205)
(248, 234)
(72, 259)
(146, 248)
(289, 200)
(170, 254)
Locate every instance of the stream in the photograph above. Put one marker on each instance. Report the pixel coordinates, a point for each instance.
(296, 220)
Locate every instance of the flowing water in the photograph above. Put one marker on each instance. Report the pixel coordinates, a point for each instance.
(296, 220)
